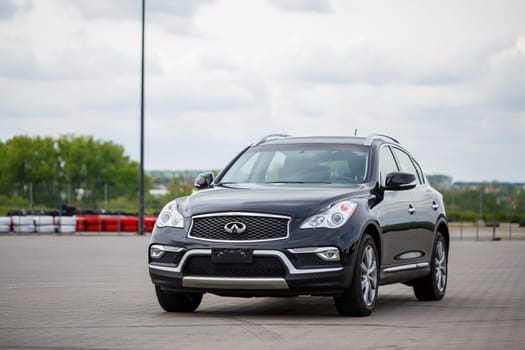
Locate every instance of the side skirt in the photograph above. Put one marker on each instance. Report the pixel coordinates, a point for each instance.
(404, 273)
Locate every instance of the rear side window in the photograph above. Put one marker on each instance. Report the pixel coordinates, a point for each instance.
(405, 163)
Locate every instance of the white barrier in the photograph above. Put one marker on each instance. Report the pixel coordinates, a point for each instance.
(44, 224)
(5, 224)
(66, 224)
(45, 228)
(24, 228)
(38, 224)
(23, 220)
(41, 220)
(23, 224)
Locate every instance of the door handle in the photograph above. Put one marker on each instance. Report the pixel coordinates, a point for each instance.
(435, 206)
(411, 209)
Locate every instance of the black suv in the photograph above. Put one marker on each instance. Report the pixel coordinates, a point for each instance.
(334, 216)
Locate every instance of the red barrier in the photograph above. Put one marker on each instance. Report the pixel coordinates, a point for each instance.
(149, 222)
(113, 223)
(109, 223)
(129, 223)
(92, 223)
(81, 223)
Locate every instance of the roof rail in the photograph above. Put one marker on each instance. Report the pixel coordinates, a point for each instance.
(374, 136)
(270, 137)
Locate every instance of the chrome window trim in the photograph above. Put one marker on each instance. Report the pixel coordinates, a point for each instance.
(233, 213)
(389, 146)
(406, 267)
(412, 160)
(207, 252)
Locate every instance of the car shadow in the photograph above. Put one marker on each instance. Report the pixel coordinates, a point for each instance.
(286, 307)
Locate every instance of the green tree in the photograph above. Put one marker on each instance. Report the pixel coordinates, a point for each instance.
(56, 168)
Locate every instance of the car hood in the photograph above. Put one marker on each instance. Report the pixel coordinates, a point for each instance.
(291, 200)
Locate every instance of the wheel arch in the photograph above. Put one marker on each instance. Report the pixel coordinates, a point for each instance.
(442, 227)
(374, 230)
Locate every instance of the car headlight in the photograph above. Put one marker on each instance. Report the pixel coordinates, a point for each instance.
(170, 216)
(334, 217)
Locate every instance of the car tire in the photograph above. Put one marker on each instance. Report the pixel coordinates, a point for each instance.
(434, 286)
(177, 301)
(360, 298)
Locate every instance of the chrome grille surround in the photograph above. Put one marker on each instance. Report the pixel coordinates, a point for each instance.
(260, 227)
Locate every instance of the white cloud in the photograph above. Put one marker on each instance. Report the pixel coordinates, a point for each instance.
(131, 9)
(506, 80)
(446, 79)
(9, 8)
(303, 5)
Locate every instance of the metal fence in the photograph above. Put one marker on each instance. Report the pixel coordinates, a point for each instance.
(41, 198)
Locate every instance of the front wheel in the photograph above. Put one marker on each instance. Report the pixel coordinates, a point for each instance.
(177, 301)
(434, 286)
(360, 298)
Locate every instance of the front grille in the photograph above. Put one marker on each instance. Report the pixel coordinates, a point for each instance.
(262, 266)
(257, 228)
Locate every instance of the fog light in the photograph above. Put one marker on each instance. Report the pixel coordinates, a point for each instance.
(156, 251)
(329, 254)
(324, 253)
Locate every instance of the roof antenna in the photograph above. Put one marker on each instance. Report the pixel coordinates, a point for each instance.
(355, 132)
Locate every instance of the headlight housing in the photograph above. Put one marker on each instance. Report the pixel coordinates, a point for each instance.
(170, 216)
(334, 217)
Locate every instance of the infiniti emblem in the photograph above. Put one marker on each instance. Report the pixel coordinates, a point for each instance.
(235, 227)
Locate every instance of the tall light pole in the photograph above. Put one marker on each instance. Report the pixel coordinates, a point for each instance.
(141, 180)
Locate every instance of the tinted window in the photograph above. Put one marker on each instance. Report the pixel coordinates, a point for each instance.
(301, 163)
(387, 164)
(405, 163)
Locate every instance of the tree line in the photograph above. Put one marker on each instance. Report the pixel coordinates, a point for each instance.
(88, 173)
(487, 201)
(73, 169)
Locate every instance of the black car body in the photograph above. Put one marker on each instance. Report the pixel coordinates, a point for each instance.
(335, 216)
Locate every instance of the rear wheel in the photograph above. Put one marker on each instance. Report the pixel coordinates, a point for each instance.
(360, 298)
(177, 301)
(434, 286)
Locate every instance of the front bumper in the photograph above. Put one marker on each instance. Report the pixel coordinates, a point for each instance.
(318, 280)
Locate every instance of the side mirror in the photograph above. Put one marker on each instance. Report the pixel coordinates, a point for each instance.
(400, 181)
(203, 181)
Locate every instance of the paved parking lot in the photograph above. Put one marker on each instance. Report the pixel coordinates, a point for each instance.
(83, 292)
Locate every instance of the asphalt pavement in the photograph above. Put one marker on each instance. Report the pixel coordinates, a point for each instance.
(94, 292)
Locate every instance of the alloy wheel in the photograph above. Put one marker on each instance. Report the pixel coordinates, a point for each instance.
(440, 266)
(369, 275)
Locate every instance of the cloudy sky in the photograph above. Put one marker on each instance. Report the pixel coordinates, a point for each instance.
(447, 78)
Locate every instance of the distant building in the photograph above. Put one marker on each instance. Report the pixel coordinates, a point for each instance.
(159, 190)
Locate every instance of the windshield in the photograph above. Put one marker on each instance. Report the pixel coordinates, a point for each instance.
(301, 163)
